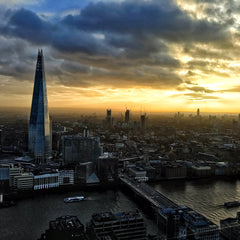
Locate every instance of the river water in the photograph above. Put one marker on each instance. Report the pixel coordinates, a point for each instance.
(205, 196)
(30, 217)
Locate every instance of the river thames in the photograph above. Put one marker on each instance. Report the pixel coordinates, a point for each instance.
(30, 217)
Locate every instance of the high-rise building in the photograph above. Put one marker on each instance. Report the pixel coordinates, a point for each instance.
(78, 149)
(143, 121)
(39, 135)
(198, 112)
(127, 115)
(109, 118)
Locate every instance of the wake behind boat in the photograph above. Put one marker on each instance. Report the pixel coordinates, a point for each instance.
(74, 199)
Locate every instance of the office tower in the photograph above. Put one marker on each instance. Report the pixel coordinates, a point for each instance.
(198, 112)
(109, 118)
(109, 112)
(78, 149)
(127, 116)
(85, 132)
(143, 121)
(39, 135)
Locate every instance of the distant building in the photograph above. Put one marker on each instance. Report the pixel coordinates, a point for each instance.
(230, 228)
(78, 149)
(109, 118)
(143, 121)
(39, 137)
(202, 171)
(174, 171)
(124, 225)
(65, 228)
(198, 112)
(127, 116)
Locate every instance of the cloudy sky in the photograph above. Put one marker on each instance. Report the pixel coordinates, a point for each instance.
(155, 55)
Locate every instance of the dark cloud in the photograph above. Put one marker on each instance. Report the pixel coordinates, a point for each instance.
(140, 18)
(234, 89)
(200, 96)
(115, 44)
(200, 89)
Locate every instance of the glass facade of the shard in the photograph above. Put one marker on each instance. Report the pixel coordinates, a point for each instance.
(39, 140)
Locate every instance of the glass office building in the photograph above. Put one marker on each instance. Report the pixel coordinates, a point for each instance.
(39, 138)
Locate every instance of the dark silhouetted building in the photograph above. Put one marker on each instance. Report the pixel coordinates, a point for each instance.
(39, 138)
(127, 116)
(230, 228)
(109, 118)
(107, 168)
(78, 149)
(143, 121)
(65, 228)
(124, 225)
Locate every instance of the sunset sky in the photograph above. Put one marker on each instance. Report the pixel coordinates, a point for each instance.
(151, 55)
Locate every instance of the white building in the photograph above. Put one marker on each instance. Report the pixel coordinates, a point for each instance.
(46, 180)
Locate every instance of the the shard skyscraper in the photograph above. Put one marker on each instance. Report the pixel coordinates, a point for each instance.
(39, 135)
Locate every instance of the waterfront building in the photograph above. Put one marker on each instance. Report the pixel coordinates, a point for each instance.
(230, 228)
(66, 177)
(23, 181)
(137, 172)
(182, 222)
(174, 171)
(199, 227)
(107, 167)
(46, 180)
(65, 228)
(4, 176)
(39, 134)
(201, 171)
(78, 149)
(85, 173)
(124, 225)
(14, 170)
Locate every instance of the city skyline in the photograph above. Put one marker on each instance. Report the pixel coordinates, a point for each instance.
(154, 56)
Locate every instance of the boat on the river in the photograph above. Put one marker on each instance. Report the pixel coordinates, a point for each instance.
(74, 199)
(232, 204)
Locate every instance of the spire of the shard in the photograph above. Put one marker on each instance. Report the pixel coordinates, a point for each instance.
(39, 125)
